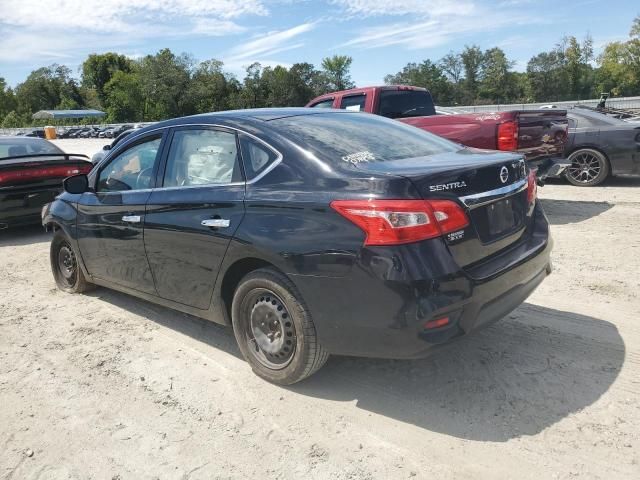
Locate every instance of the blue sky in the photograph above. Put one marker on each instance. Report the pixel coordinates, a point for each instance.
(381, 35)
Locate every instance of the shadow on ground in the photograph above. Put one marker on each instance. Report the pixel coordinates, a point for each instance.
(20, 236)
(209, 333)
(562, 212)
(516, 378)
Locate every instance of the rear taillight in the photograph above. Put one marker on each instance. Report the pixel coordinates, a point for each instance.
(394, 222)
(27, 174)
(532, 186)
(508, 136)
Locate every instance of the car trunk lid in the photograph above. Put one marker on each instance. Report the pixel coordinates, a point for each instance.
(491, 186)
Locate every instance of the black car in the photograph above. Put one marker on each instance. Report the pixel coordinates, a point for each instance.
(599, 146)
(311, 232)
(31, 174)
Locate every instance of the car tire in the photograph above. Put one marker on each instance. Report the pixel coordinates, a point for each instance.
(64, 265)
(274, 329)
(588, 168)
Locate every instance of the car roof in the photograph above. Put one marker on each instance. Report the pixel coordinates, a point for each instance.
(248, 117)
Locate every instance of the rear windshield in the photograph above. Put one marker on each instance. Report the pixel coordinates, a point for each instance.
(405, 103)
(360, 137)
(22, 146)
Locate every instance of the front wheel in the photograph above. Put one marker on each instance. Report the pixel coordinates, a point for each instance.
(588, 168)
(64, 265)
(274, 329)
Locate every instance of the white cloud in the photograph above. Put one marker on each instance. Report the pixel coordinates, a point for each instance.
(448, 20)
(272, 42)
(431, 8)
(32, 30)
(260, 49)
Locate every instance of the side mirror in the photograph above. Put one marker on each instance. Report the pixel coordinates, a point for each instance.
(107, 147)
(76, 184)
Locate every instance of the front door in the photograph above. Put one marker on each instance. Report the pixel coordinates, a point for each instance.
(193, 214)
(111, 218)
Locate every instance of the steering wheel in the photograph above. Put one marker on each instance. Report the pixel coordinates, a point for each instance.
(114, 184)
(143, 172)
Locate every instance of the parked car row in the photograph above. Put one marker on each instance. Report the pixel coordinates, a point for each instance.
(92, 132)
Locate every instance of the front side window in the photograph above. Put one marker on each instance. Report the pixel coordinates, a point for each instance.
(202, 157)
(132, 169)
(324, 104)
(355, 103)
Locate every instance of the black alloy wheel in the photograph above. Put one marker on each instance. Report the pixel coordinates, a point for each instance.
(588, 168)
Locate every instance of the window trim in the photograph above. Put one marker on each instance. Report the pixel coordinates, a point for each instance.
(149, 136)
(362, 94)
(169, 128)
(159, 183)
(268, 168)
(332, 99)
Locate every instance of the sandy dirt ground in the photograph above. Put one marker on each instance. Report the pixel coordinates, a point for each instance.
(105, 386)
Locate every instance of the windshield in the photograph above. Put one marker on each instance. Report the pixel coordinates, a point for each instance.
(405, 103)
(360, 137)
(18, 147)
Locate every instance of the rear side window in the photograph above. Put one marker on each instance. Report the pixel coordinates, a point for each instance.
(356, 138)
(355, 103)
(405, 103)
(202, 157)
(323, 104)
(256, 156)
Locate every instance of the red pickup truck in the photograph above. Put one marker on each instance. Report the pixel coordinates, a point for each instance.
(539, 135)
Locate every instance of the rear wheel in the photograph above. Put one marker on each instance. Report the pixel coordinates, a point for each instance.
(588, 168)
(274, 328)
(64, 265)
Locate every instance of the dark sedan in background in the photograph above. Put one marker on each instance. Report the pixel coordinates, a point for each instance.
(311, 232)
(31, 174)
(599, 146)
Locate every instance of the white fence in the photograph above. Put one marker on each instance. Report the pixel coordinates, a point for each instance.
(620, 102)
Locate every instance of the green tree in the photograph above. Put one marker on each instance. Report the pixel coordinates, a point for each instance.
(7, 98)
(164, 80)
(619, 63)
(123, 97)
(498, 83)
(336, 70)
(12, 120)
(472, 60)
(98, 69)
(428, 75)
(209, 88)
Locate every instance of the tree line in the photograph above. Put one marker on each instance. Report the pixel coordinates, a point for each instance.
(166, 85)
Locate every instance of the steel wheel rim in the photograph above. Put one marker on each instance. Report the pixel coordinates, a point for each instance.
(67, 264)
(270, 332)
(585, 167)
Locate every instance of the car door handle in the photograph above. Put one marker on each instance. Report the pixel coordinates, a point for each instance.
(131, 218)
(215, 223)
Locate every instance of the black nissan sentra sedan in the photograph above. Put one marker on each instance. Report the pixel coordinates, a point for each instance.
(309, 232)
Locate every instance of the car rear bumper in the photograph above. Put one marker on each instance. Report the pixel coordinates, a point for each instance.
(24, 207)
(381, 309)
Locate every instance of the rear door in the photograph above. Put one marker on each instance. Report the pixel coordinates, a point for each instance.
(111, 219)
(192, 215)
